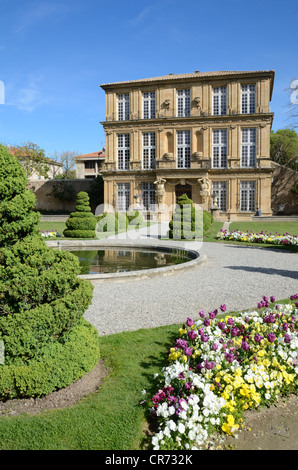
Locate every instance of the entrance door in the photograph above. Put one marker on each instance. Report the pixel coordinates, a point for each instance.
(181, 189)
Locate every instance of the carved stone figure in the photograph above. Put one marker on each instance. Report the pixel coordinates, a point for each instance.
(160, 189)
(205, 188)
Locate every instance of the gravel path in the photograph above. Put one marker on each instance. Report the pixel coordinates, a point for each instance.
(237, 276)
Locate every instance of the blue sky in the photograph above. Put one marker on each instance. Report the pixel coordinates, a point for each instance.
(55, 54)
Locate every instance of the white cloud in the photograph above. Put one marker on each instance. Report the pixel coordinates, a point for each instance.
(141, 15)
(29, 96)
(37, 12)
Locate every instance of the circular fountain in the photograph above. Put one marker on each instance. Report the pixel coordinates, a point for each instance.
(122, 259)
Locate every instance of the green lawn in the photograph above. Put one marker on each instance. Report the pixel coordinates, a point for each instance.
(271, 227)
(111, 418)
(215, 227)
(60, 226)
(55, 226)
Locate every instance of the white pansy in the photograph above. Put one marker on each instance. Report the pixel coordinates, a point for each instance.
(181, 428)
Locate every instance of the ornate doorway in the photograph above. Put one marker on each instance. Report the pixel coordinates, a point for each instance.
(183, 189)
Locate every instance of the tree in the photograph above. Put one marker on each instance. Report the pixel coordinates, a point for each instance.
(32, 158)
(47, 342)
(68, 162)
(284, 148)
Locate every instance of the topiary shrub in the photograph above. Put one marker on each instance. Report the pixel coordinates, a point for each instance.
(111, 222)
(207, 221)
(82, 222)
(186, 220)
(47, 343)
(135, 218)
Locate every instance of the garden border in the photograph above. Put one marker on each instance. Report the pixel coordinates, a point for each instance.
(157, 245)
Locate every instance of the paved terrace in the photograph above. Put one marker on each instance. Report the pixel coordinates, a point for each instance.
(237, 276)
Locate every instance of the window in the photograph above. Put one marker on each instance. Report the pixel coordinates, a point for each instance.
(219, 148)
(247, 196)
(220, 189)
(148, 150)
(123, 196)
(123, 151)
(248, 99)
(220, 100)
(149, 105)
(183, 149)
(90, 164)
(183, 103)
(123, 107)
(248, 148)
(148, 191)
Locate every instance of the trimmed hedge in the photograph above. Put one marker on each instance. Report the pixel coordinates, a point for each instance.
(58, 365)
(82, 222)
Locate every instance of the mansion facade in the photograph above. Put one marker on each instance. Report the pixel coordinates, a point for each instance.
(204, 134)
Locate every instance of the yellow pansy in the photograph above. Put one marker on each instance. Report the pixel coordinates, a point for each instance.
(261, 353)
(226, 428)
(225, 395)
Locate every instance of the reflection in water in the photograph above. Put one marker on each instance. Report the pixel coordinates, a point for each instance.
(111, 260)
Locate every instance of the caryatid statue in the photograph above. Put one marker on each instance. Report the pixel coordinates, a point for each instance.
(160, 189)
(205, 188)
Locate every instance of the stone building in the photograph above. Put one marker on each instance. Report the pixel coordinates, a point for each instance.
(206, 134)
(89, 165)
(54, 168)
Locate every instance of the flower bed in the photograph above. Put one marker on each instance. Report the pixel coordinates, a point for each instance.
(262, 237)
(48, 233)
(221, 366)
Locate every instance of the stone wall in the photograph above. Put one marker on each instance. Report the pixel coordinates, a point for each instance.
(281, 195)
(45, 201)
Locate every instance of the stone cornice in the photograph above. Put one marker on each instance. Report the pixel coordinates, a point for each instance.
(230, 119)
(186, 172)
(190, 79)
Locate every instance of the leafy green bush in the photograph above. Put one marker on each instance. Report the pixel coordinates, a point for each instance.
(57, 365)
(16, 203)
(42, 300)
(187, 222)
(207, 221)
(111, 222)
(82, 222)
(135, 218)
